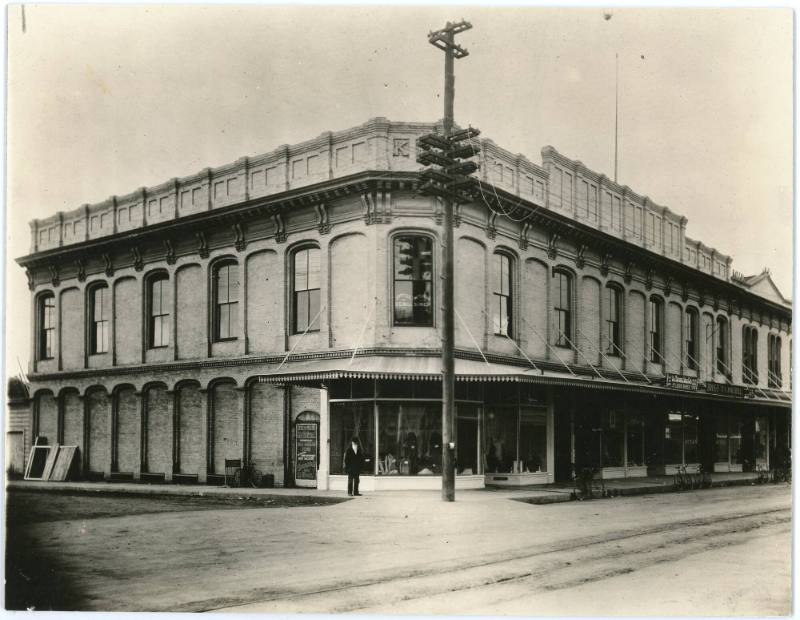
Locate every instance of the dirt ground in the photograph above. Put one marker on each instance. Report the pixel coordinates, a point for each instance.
(712, 552)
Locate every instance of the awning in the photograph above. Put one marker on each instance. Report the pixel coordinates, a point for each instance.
(428, 368)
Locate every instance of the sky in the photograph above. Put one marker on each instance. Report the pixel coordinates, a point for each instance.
(104, 99)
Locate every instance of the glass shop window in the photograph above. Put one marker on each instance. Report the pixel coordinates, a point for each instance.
(735, 436)
(501, 439)
(721, 440)
(673, 438)
(760, 439)
(635, 435)
(533, 439)
(467, 419)
(613, 439)
(691, 452)
(409, 439)
(349, 420)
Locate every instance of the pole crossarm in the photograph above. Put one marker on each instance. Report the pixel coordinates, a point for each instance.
(443, 39)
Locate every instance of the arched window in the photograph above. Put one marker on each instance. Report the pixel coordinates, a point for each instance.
(562, 307)
(749, 354)
(46, 320)
(613, 308)
(502, 299)
(775, 379)
(722, 346)
(99, 311)
(413, 280)
(226, 301)
(305, 290)
(690, 337)
(656, 330)
(158, 304)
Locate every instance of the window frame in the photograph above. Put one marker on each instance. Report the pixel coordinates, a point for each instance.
(45, 326)
(749, 355)
(774, 346)
(231, 306)
(613, 334)
(563, 315)
(103, 323)
(499, 297)
(722, 346)
(160, 278)
(691, 337)
(295, 292)
(395, 279)
(656, 332)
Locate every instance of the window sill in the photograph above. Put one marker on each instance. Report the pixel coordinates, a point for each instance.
(216, 341)
(310, 331)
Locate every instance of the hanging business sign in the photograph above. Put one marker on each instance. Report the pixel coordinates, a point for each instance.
(681, 382)
(305, 450)
(728, 389)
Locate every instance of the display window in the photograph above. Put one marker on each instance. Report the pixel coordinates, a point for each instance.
(467, 439)
(681, 438)
(612, 439)
(533, 439)
(761, 440)
(409, 439)
(516, 439)
(348, 420)
(634, 429)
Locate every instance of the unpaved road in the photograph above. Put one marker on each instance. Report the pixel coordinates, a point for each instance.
(722, 551)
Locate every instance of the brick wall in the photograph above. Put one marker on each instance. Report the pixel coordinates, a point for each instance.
(227, 412)
(470, 294)
(128, 425)
(159, 430)
(191, 313)
(350, 298)
(72, 332)
(673, 338)
(264, 302)
(266, 429)
(99, 427)
(190, 433)
(588, 322)
(47, 412)
(127, 321)
(73, 421)
(634, 331)
(534, 288)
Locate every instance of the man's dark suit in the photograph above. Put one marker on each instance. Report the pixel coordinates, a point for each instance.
(353, 460)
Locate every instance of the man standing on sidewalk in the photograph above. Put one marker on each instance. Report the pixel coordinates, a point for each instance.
(353, 460)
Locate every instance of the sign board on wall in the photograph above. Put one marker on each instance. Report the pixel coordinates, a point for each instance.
(728, 389)
(305, 451)
(681, 382)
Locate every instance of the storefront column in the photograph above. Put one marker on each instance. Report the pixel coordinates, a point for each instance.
(324, 439)
(551, 441)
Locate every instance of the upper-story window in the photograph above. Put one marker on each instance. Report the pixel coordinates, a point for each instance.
(100, 311)
(656, 330)
(413, 280)
(501, 300)
(305, 290)
(722, 346)
(774, 361)
(690, 338)
(47, 325)
(158, 311)
(562, 307)
(613, 310)
(226, 301)
(749, 354)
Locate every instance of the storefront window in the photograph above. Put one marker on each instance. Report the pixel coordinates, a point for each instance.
(721, 444)
(673, 439)
(761, 439)
(349, 420)
(735, 430)
(501, 439)
(635, 430)
(690, 449)
(409, 439)
(613, 438)
(533, 439)
(467, 417)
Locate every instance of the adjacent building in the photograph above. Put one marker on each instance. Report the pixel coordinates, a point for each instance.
(272, 308)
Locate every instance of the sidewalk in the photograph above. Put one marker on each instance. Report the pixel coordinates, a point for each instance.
(549, 494)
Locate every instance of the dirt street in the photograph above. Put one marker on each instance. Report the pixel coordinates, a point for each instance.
(721, 551)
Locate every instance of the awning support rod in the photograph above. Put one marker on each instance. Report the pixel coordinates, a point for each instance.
(363, 331)
(463, 322)
(619, 372)
(550, 348)
(727, 368)
(299, 340)
(514, 342)
(622, 354)
(574, 346)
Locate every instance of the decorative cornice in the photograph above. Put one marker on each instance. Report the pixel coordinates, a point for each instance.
(628, 275)
(80, 269)
(605, 264)
(169, 252)
(202, 244)
(552, 245)
(138, 263)
(54, 277)
(580, 256)
(109, 268)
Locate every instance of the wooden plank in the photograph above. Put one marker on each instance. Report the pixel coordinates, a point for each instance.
(51, 459)
(36, 462)
(63, 463)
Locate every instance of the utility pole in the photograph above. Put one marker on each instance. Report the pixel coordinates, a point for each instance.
(447, 177)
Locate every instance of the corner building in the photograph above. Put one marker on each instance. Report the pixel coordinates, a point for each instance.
(270, 309)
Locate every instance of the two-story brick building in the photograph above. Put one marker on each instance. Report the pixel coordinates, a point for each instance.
(270, 309)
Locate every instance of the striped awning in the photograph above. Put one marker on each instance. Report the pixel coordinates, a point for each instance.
(429, 368)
